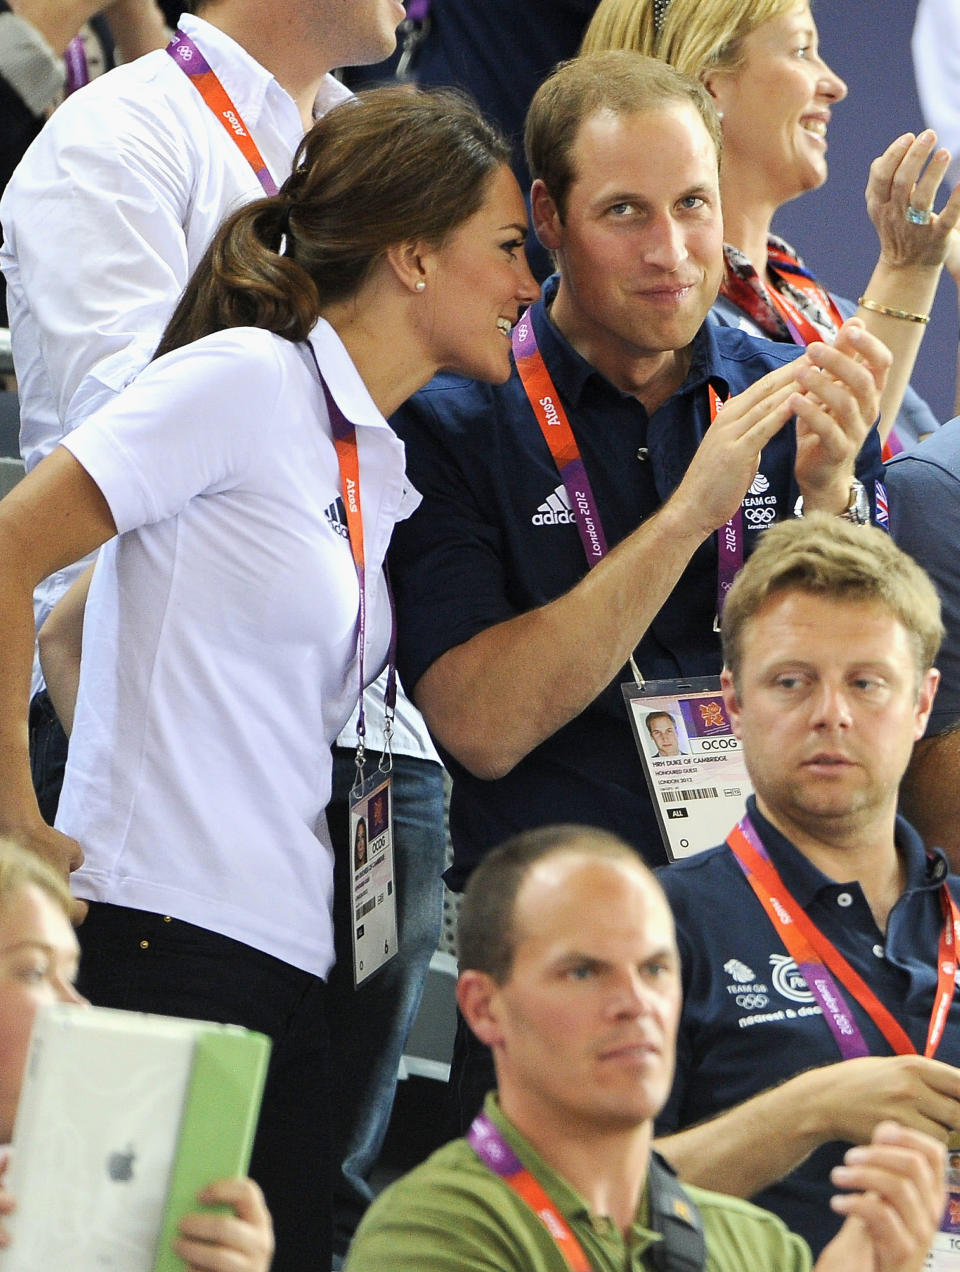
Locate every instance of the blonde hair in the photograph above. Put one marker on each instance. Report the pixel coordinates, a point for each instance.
(19, 868)
(696, 36)
(827, 556)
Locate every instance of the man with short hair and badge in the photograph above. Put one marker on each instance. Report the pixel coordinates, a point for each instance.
(818, 943)
(570, 517)
(596, 507)
(570, 973)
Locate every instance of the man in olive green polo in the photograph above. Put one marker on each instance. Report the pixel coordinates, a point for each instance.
(570, 974)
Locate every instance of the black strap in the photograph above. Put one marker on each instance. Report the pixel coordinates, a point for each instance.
(676, 1218)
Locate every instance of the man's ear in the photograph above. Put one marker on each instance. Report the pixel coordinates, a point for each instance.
(545, 216)
(411, 264)
(478, 999)
(928, 691)
(731, 700)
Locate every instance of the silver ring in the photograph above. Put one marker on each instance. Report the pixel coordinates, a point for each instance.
(918, 216)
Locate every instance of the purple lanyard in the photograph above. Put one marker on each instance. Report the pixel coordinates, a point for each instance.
(729, 536)
(78, 72)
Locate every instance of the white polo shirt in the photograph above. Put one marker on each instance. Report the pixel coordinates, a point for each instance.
(220, 643)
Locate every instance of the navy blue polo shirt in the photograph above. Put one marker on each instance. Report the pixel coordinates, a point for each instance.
(495, 537)
(749, 1022)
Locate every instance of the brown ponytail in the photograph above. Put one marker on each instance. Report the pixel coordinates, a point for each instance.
(394, 165)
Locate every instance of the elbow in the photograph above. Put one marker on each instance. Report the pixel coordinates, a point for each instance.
(482, 752)
(465, 733)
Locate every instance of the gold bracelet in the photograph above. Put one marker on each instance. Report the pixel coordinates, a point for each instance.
(893, 313)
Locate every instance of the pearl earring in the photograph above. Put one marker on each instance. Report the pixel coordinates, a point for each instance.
(421, 285)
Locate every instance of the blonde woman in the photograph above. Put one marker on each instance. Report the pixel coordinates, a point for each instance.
(761, 63)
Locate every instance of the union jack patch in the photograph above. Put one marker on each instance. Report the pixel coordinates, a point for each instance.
(883, 508)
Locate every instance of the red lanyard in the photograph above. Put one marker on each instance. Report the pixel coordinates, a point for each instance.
(781, 265)
(207, 83)
(348, 458)
(552, 418)
(495, 1153)
(816, 958)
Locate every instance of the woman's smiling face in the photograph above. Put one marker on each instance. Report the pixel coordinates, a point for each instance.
(776, 106)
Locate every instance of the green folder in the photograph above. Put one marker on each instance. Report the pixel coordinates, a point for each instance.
(219, 1120)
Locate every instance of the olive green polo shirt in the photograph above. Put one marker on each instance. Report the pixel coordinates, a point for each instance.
(453, 1214)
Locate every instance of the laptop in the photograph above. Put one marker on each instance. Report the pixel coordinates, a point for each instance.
(123, 1118)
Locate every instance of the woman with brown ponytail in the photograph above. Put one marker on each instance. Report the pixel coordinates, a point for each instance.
(224, 628)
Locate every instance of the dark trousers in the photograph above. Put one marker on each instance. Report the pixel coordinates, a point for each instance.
(145, 962)
(48, 754)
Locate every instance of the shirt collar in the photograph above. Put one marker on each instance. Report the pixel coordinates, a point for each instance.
(343, 379)
(804, 880)
(566, 1198)
(248, 84)
(570, 371)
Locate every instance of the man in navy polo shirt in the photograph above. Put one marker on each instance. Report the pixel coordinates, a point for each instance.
(514, 646)
(818, 944)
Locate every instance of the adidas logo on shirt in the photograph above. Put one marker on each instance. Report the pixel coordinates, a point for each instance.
(555, 510)
(336, 514)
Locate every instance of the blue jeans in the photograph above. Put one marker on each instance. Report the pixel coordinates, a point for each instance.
(138, 961)
(369, 1025)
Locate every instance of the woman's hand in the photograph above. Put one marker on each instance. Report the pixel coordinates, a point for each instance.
(222, 1242)
(909, 172)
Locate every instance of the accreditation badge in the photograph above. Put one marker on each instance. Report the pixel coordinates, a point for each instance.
(693, 764)
(372, 880)
(944, 1256)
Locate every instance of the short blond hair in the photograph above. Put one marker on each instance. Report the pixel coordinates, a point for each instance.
(697, 36)
(827, 556)
(19, 868)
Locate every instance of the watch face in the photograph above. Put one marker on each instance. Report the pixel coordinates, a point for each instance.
(858, 509)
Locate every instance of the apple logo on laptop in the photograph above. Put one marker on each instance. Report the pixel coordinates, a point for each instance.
(120, 1166)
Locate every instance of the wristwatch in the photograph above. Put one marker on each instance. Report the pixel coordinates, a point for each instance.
(857, 510)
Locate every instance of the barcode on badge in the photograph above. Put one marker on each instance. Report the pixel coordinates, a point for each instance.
(689, 792)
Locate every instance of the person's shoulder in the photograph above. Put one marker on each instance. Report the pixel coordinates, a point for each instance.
(941, 450)
(742, 348)
(448, 1212)
(690, 872)
(238, 361)
(739, 1234)
(454, 404)
(128, 117)
(138, 89)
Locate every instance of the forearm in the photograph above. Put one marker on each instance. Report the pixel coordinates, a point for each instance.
(491, 700)
(49, 520)
(737, 1153)
(909, 290)
(18, 804)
